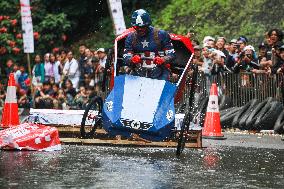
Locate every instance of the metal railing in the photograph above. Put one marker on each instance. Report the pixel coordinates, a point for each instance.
(243, 87)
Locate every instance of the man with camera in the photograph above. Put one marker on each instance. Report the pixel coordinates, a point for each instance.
(241, 43)
(245, 62)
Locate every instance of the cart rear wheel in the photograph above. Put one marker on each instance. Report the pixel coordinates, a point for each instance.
(92, 117)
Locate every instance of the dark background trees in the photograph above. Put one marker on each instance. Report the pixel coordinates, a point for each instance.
(67, 23)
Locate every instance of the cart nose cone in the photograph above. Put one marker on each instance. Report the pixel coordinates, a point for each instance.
(140, 103)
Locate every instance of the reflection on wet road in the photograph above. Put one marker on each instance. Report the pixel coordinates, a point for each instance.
(112, 167)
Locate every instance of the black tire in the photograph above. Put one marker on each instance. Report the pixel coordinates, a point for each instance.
(224, 112)
(96, 104)
(279, 124)
(262, 106)
(225, 102)
(227, 119)
(242, 120)
(267, 119)
(241, 113)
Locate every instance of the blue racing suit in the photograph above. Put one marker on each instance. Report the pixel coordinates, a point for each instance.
(154, 43)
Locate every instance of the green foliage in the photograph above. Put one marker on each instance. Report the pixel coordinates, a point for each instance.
(52, 29)
(229, 18)
(89, 21)
(104, 37)
(49, 29)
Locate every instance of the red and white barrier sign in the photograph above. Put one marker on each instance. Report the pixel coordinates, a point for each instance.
(29, 136)
(60, 117)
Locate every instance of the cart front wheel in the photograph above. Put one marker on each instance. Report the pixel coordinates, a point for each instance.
(92, 118)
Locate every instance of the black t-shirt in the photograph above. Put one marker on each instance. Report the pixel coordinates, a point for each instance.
(71, 92)
(278, 63)
(226, 54)
(230, 62)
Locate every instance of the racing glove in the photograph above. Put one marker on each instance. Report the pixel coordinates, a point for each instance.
(158, 60)
(136, 59)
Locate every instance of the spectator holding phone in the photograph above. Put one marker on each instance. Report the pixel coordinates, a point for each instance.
(218, 60)
(232, 56)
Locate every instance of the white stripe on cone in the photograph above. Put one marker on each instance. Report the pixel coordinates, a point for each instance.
(213, 104)
(11, 95)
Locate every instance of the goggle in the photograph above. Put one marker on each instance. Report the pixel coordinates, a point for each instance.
(140, 27)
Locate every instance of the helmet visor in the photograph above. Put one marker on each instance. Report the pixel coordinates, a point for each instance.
(140, 27)
(141, 30)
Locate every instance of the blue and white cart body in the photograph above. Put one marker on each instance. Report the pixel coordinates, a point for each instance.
(144, 106)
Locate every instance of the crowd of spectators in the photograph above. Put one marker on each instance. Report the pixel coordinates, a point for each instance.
(237, 55)
(58, 80)
(61, 81)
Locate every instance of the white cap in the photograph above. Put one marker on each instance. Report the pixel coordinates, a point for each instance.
(206, 45)
(101, 50)
(233, 41)
(208, 38)
(249, 47)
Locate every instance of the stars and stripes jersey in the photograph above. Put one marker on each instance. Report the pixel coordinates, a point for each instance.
(154, 41)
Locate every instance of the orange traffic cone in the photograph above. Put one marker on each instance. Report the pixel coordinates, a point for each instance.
(212, 125)
(10, 115)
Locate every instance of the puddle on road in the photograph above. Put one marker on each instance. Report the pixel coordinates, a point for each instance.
(114, 167)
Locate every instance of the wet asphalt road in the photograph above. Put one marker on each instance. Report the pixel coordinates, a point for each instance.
(238, 162)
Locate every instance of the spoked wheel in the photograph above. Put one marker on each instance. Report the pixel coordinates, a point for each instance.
(92, 116)
(188, 114)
